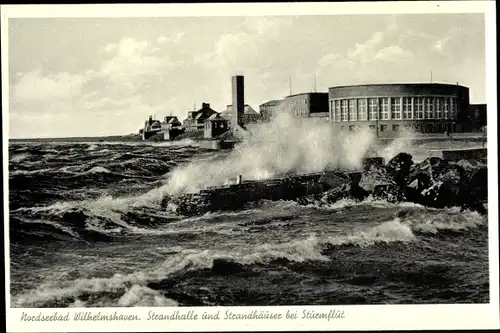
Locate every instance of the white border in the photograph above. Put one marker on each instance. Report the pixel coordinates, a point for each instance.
(380, 317)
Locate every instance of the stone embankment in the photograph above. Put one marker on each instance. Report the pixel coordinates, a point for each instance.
(434, 182)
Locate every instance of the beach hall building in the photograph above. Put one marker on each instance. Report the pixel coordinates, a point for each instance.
(389, 108)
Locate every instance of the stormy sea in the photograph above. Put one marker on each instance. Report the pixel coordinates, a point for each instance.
(89, 228)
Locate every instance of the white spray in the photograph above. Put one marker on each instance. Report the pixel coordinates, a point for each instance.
(286, 144)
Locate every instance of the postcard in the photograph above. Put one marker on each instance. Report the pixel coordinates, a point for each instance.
(250, 167)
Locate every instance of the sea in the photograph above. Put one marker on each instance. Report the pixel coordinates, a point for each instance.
(89, 227)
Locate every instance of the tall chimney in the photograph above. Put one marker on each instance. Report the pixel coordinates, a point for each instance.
(238, 101)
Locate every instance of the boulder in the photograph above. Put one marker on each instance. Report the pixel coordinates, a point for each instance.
(389, 192)
(378, 182)
(452, 176)
(335, 179)
(439, 195)
(336, 193)
(357, 192)
(438, 183)
(477, 184)
(399, 168)
(375, 175)
(475, 191)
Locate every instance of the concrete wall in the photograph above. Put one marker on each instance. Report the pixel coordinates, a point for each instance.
(216, 144)
(459, 154)
(391, 128)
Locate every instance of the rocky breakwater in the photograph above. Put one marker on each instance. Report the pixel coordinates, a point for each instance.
(433, 182)
(237, 196)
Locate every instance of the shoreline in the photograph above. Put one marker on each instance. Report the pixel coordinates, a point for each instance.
(472, 137)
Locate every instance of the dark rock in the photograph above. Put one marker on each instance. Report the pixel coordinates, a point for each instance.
(399, 168)
(375, 176)
(336, 193)
(419, 179)
(452, 176)
(477, 184)
(380, 184)
(475, 191)
(368, 162)
(389, 192)
(335, 179)
(357, 192)
(439, 195)
(437, 183)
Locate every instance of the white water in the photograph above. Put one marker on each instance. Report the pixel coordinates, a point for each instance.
(286, 144)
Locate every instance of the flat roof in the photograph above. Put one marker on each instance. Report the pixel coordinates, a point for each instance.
(307, 93)
(399, 84)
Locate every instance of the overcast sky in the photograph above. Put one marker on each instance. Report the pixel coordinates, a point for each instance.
(91, 77)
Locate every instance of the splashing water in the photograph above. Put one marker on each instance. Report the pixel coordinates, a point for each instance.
(286, 144)
(401, 143)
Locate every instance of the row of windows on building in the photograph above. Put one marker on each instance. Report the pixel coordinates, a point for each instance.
(424, 128)
(385, 108)
(301, 112)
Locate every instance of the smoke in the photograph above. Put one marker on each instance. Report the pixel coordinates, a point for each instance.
(286, 144)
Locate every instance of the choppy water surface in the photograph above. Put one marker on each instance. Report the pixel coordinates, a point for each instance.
(87, 229)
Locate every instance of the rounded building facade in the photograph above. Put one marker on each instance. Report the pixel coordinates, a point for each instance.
(389, 108)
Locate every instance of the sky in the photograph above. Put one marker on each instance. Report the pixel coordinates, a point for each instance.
(104, 76)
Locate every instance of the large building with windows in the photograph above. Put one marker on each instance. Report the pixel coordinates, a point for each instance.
(389, 108)
(305, 105)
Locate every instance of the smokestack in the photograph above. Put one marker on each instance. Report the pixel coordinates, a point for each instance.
(238, 89)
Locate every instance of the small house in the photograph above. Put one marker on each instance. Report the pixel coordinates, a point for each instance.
(215, 125)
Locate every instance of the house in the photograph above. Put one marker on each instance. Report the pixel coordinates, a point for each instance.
(171, 127)
(195, 120)
(215, 125)
(249, 116)
(151, 127)
(171, 122)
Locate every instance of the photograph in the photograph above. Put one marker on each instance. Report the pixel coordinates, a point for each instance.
(247, 161)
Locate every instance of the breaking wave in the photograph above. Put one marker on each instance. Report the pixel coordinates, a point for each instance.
(133, 289)
(134, 215)
(285, 145)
